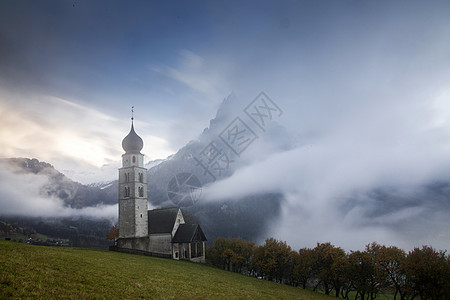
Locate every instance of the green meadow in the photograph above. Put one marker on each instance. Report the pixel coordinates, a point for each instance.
(28, 271)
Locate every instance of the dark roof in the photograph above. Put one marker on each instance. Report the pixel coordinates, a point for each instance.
(132, 143)
(162, 220)
(188, 233)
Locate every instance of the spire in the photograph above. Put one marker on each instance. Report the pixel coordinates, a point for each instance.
(132, 143)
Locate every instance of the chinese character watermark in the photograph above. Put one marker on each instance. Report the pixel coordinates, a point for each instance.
(238, 136)
(214, 159)
(262, 110)
(184, 189)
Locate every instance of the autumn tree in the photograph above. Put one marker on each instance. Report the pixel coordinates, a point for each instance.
(447, 277)
(390, 260)
(227, 256)
(329, 266)
(232, 255)
(272, 260)
(379, 280)
(258, 262)
(423, 273)
(427, 273)
(348, 278)
(113, 233)
(243, 251)
(303, 269)
(362, 269)
(215, 253)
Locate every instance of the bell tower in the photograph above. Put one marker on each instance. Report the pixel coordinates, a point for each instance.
(133, 207)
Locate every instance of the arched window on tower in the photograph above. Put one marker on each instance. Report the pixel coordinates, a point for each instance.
(134, 159)
(127, 177)
(127, 191)
(141, 191)
(141, 177)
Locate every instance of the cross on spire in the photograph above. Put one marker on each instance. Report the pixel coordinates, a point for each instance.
(132, 113)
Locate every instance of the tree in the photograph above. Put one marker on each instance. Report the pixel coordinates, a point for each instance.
(303, 269)
(242, 254)
(272, 260)
(447, 277)
(348, 278)
(214, 253)
(423, 273)
(340, 262)
(427, 272)
(227, 257)
(113, 233)
(362, 269)
(258, 263)
(379, 279)
(329, 267)
(391, 259)
(233, 255)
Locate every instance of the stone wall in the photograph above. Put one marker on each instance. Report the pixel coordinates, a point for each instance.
(141, 244)
(161, 243)
(126, 218)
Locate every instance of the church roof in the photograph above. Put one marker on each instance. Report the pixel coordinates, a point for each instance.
(162, 220)
(132, 143)
(188, 233)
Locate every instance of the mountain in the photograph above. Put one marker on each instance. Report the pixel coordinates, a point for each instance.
(73, 194)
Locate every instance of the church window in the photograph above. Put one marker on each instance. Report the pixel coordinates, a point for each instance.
(127, 191)
(134, 159)
(127, 177)
(141, 215)
(141, 177)
(141, 191)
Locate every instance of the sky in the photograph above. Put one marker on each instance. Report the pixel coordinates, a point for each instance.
(364, 87)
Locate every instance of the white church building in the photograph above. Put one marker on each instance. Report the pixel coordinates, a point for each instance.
(159, 232)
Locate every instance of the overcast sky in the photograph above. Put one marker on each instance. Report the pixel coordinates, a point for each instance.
(364, 86)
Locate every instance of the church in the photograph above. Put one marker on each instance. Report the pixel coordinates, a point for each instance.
(159, 232)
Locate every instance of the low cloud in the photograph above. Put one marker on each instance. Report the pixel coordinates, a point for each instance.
(356, 183)
(368, 137)
(21, 195)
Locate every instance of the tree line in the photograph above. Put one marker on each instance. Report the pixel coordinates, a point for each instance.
(423, 273)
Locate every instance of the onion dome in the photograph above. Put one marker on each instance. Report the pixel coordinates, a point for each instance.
(132, 143)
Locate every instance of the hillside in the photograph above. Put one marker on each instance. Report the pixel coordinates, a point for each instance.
(48, 272)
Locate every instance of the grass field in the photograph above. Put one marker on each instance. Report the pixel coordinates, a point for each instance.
(28, 271)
